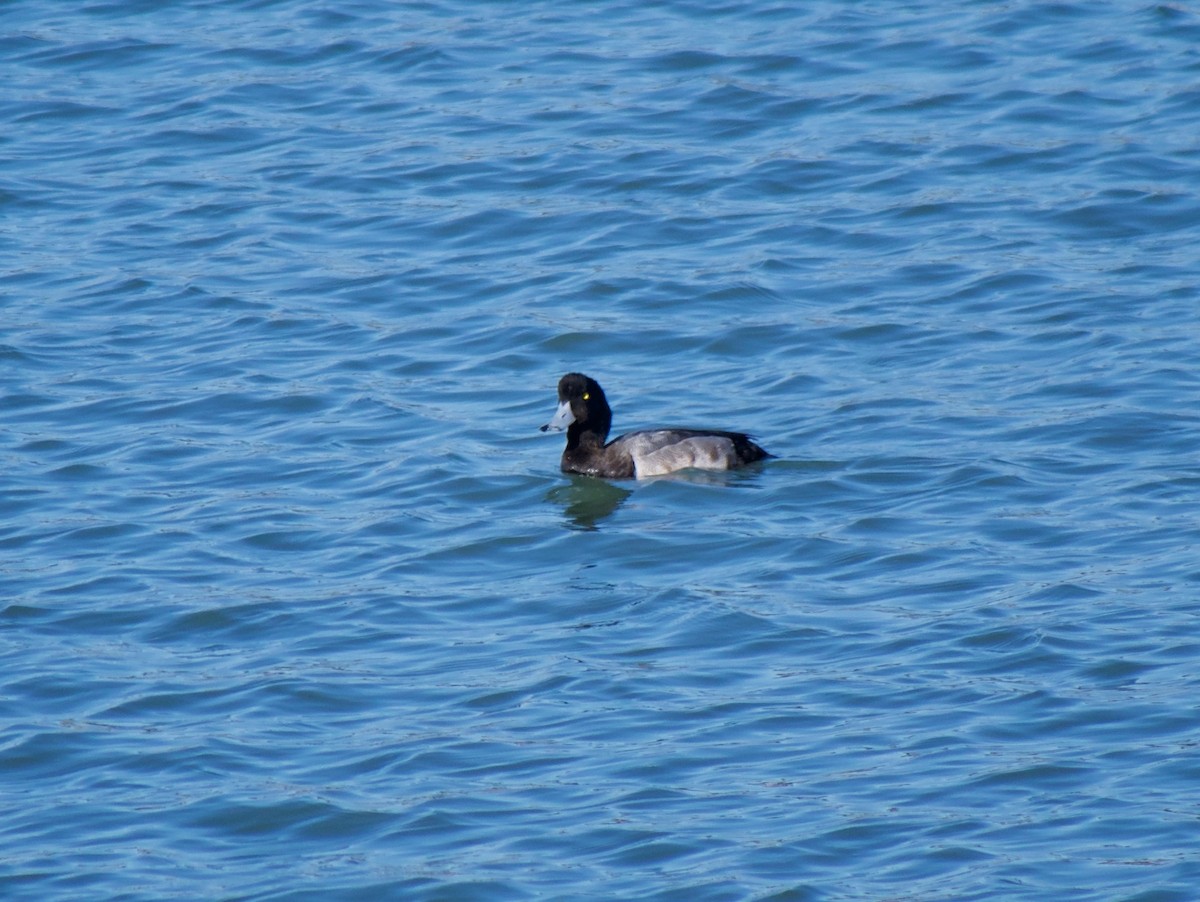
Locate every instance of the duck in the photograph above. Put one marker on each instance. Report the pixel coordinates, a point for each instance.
(584, 413)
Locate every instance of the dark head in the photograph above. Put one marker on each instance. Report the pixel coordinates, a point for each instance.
(582, 408)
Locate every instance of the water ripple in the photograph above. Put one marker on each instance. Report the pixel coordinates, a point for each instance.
(296, 602)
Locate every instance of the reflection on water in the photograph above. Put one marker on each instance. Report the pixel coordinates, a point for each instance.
(587, 500)
(713, 477)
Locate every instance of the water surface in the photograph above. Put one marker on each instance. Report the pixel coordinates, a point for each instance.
(295, 602)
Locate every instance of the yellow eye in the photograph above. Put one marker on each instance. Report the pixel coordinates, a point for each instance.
(586, 396)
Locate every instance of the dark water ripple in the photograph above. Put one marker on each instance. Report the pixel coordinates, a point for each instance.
(295, 602)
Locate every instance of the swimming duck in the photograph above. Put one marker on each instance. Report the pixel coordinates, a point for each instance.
(584, 412)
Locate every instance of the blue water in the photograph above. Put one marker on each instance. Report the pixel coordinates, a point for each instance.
(295, 604)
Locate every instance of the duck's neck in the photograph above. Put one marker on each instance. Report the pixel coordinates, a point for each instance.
(579, 437)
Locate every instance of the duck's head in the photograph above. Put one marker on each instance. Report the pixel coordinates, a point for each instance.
(582, 407)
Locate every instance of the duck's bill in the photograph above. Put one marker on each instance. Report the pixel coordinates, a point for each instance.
(562, 418)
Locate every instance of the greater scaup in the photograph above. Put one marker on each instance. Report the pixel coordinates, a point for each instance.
(584, 412)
